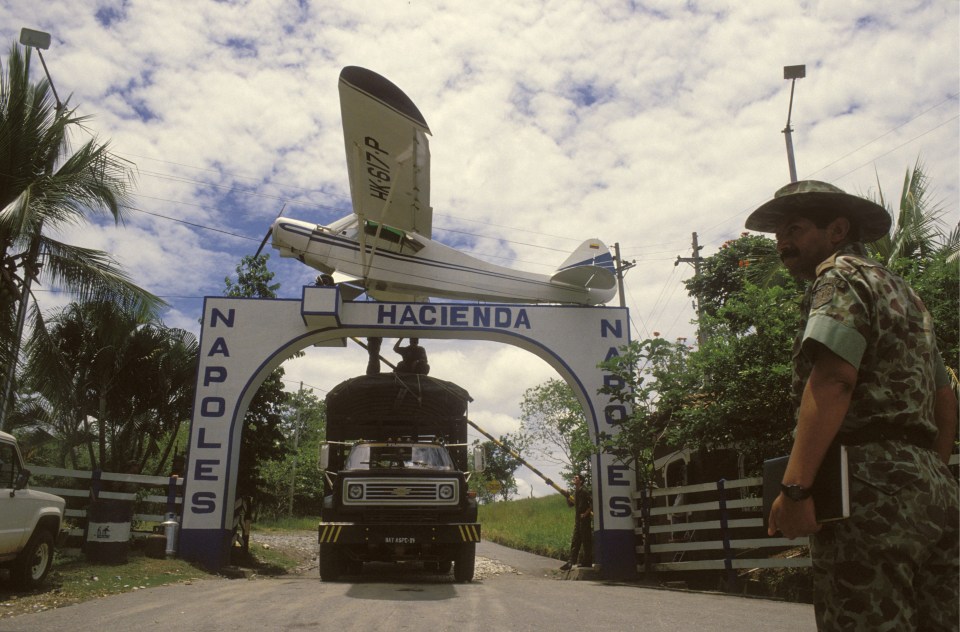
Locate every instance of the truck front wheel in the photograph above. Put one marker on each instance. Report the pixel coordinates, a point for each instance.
(331, 562)
(463, 563)
(34, 562)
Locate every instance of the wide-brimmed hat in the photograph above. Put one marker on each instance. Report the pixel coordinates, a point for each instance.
(809, 197)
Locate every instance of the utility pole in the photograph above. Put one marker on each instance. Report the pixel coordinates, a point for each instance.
(695, 260)
(621, 268)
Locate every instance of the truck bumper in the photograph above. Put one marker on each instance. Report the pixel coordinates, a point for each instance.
(353, 533)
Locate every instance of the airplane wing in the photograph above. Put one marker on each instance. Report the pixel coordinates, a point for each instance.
(388, 156)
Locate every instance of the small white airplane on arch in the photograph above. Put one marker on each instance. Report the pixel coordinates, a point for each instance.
(386, 243)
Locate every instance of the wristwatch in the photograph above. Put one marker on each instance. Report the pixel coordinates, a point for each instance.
(795, 492)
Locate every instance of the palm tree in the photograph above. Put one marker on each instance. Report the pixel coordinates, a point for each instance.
(917, 233)
(45, 185)
(112, 382)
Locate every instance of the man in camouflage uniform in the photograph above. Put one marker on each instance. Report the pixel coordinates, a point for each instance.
(867, 373)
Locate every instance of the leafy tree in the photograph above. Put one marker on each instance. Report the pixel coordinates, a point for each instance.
(734, 390)
(43, 185)
(497, 482)
(293, 485)
(262, 439)
(555, 428)
(639, 367)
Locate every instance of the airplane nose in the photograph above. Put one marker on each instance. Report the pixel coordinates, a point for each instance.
(291, 237)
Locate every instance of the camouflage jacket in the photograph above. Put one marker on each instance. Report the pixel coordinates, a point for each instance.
(871, 318)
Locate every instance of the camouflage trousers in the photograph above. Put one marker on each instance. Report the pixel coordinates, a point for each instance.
(895, 563)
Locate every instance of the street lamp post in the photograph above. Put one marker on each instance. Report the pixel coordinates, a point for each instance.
(793, 73)
(39, 41)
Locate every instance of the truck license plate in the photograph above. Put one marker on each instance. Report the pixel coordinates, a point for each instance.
(396, 540)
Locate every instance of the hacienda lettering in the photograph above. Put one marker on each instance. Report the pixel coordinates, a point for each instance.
(454, 316)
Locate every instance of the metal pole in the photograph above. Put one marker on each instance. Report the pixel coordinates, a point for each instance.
(788, 134)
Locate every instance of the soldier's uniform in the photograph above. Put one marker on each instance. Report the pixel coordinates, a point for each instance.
(894, 564)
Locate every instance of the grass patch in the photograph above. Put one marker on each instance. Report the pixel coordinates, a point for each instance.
(283, 523)
(74, 579)
(537, 525)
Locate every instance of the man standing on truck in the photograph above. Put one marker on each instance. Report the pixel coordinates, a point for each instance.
(414, 357)
(582, 525)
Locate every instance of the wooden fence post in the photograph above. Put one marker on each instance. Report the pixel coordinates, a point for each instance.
(730, 576)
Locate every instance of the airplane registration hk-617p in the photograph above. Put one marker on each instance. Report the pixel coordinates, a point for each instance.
(386, 243)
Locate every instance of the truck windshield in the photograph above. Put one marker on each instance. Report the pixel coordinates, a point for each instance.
(375, 457)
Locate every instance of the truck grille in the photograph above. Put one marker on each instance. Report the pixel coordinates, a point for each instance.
(400, 491)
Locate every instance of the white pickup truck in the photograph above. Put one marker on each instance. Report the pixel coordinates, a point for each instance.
(29, 520)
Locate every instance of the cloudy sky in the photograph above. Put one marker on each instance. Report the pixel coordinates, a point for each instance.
(636, 122)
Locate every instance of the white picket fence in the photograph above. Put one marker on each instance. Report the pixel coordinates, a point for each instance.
(721, 532)
(172, 501)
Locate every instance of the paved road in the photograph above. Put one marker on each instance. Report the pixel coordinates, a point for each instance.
(528, 598)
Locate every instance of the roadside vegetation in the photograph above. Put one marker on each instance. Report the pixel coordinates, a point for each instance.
(536, 525)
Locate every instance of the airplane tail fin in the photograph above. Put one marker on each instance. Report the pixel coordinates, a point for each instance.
(590, 266)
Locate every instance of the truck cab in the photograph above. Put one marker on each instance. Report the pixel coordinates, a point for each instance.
(30, 520)
(396, 473)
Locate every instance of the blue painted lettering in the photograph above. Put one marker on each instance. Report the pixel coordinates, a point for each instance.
(203, 503)
(614, 382)
(202, 440)
(481, 318)
(203, 470)
(212, 407)
(454, 316)
(408, 318)
(219, 347)
(387, 314)
(458, 315)
(615, 414)
(217, 315)
(214, 374)
(620, 507)
(617, 475)
(615, 328)
(523, 320)
(611, 353)
(428, 315)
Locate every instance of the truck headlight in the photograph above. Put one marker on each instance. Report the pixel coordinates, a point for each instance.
(445, 491)
(354, 491)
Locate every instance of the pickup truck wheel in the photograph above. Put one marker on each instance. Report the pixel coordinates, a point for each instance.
(34, 562)
(464, 561)
(331, 562)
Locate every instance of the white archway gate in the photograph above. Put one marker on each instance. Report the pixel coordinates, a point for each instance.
(243, 340)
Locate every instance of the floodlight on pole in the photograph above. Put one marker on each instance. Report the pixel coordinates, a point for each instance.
(40, 41)
(792, 73)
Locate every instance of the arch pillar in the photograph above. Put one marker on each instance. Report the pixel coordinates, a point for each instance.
(243, 340)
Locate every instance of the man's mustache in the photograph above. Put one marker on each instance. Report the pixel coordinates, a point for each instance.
(788, 252)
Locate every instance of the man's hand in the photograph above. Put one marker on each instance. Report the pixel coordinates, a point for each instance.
(793, 518)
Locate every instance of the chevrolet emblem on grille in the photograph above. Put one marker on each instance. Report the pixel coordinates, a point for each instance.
(401, 491)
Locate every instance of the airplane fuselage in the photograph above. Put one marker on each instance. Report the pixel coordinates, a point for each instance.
(396, 265)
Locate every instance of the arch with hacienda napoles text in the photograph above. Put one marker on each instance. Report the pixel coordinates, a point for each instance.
(243, 340)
